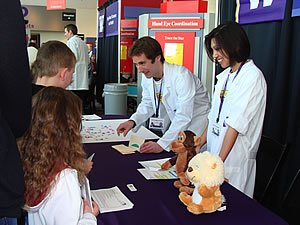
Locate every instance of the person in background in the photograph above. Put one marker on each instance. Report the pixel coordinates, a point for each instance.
(92, 65)
(53, 161)
(238, 105)
(15, 109)
(54, 66)
(80, 81)
(173, 98)
(32, 52)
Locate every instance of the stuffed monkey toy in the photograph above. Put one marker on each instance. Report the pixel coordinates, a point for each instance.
(185, 149)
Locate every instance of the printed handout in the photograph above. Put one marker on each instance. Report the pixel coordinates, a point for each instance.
(111, 199)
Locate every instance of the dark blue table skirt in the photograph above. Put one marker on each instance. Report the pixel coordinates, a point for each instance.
(156, 201)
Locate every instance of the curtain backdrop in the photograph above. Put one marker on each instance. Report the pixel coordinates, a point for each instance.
(275, 50)
(107, 59)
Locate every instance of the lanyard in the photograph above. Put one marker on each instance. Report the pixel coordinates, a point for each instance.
(157, 98)
(222, 96)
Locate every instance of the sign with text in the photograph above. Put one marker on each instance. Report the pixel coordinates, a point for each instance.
(101, 23)
(296, 8)
(178, 47)
(56, 4)
(256, 11)
(68, 16)
(128, 33)
(176, 23)
(112, 20)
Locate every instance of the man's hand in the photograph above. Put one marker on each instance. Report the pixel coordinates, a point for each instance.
(151, 147)
(125, 127)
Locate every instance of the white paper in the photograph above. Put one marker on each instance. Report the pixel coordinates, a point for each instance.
(123, 149)
(86, 192)
(91, 117)
(111, 199)
(136, 142)
(105, 131)
(91, 157)
(158, 175)
(154, 165)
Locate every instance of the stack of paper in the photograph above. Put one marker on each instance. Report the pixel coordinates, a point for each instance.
(152, 170)
(111, 199)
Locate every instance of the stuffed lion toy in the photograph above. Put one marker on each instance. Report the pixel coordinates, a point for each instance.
(206, 172)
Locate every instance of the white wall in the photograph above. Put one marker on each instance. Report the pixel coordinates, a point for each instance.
(86, 21)
(212, 6)
(48, 36)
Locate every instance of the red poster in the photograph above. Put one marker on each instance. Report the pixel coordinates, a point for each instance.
(56, 4)
(178, 47)
(126, 61)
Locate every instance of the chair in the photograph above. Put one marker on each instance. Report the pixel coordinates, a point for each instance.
(290, 204)
(269, 157)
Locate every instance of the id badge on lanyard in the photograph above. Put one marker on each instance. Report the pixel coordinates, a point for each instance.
(155, 122)
(216, 129)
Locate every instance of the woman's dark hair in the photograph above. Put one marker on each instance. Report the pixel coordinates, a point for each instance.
(149, 46)
(231, 39)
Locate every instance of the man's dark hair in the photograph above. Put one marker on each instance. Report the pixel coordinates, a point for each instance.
(72, 27)
(32, 44)
(232, 40)
(149, 46)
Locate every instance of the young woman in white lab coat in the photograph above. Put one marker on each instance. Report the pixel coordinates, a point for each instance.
(238, 106)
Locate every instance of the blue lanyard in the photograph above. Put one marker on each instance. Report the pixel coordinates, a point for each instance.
(224, 89)
(159, 96)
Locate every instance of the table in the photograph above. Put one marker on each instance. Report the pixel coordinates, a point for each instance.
(156, 201)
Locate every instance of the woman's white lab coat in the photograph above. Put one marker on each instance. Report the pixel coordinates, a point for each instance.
(243, 110)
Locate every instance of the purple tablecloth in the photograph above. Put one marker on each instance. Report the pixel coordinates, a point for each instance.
(156, 201)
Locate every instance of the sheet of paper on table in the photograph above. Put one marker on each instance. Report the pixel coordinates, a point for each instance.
(134, 145)
(153, 165)
(123, 149)
(105, 131)
(158, 175)
(111, 200)
(152, 170)
(92, 117)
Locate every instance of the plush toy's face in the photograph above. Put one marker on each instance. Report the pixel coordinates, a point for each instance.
(206, 168)
(192, 171)
(185, 139)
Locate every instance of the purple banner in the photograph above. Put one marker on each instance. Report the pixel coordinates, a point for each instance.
(112, 20)
(296, 8)
(256, 11)
(101, 23)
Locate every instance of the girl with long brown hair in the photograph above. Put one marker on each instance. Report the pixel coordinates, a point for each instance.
(54, 161)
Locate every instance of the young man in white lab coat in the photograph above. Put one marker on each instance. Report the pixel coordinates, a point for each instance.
(80, 80)
(173, 98)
